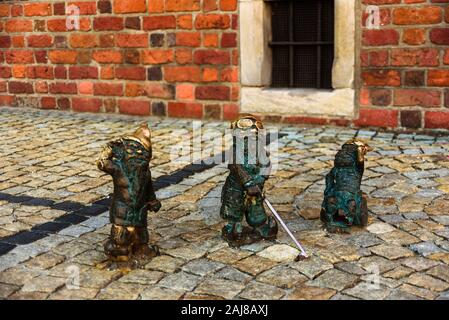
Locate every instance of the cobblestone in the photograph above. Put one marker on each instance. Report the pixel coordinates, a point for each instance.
(53, 217)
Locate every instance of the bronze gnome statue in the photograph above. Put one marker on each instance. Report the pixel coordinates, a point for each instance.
(242, 196)
(344, 203)
(127, 161)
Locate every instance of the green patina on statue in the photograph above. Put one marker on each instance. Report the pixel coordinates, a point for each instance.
(344, 203)
(241, 197)
(127, 161)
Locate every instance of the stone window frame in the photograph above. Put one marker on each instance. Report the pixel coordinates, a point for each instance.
(258, 97)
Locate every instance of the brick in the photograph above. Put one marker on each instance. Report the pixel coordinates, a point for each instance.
(131, 73)
(235, 22)
(229, 40)
(212, 92)
(385, 17)
(155, 74)
(440, 36)
(162, 91)
(235, 93)
(380, 97)
(19, 71)
(188, 39)
(158, 109)
(184, 56)
(415, 57)
(446, 57)
(5, 41)
(19, 56)
(86, 87)
(212, 21)
(210, 40)
(212, 111)
(20, 87)
(5, 10)
(63, 56)
(211, 57)
(182, 5)
(86, 8)
(381, 78)
(184, 21)
(379, 58)
(157, 40)
(411, 119)
(307, 120)
(5, 72)
(84, 57)
(107, 73)
(107, 40)
(185, 92)
(48, 103)
(230, 111)
(134, 107)
(41, 72)
(18, 41)
(414, 36)
(107, 56)
(438, 78)
(132, 56)
(157, 56)
(210, 75)
(60, 72)
(108, 89)
(83, 40)
(63, 103)
(182, 74)
(41, 87)
(133, 89)
(108, 24)
(381, 1)
(159, 22)
(63, 87)
(39, 26)
(436, 120)
(414, 78)
(6, 100)
(59, 25)
(104, 6)
(15, 25)
(380, 37)
(364, 99)
(210, 5)
(59, 9)
(185, 110)
(37, 9)
(40, 41)
(132, 23)
(156, 6)
(86, 104)
(132, 40)
(228, 5)
(377, 118)
(83, 72)
(417, 97)
(16, 10)
(425, 15)
(130, 6)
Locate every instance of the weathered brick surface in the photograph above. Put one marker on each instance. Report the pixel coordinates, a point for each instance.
(128, 56)
(183, 56)
(404, 64)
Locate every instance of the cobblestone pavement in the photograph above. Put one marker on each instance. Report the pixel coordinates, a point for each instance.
(53, 219)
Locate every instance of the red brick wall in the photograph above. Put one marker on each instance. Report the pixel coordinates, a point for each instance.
(160, 57)
(405, 65)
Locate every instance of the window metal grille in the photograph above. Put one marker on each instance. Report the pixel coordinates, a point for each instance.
(303, 43)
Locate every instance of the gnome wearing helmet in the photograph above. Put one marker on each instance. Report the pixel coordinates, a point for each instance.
(242, 195)
(127, 161)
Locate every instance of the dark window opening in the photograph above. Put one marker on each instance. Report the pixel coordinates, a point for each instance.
(303, 43)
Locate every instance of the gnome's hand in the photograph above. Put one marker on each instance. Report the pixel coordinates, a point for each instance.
(254, 191)
(154, 205)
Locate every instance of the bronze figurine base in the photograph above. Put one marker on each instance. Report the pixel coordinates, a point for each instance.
(246, 237)
(140, 257)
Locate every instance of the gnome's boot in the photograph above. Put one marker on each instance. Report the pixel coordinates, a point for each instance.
(118, 246)
(268, 230)
(264, 227)
(235, 234)
(140, 244)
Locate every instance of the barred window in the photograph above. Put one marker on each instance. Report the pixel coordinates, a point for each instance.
(302, 43)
